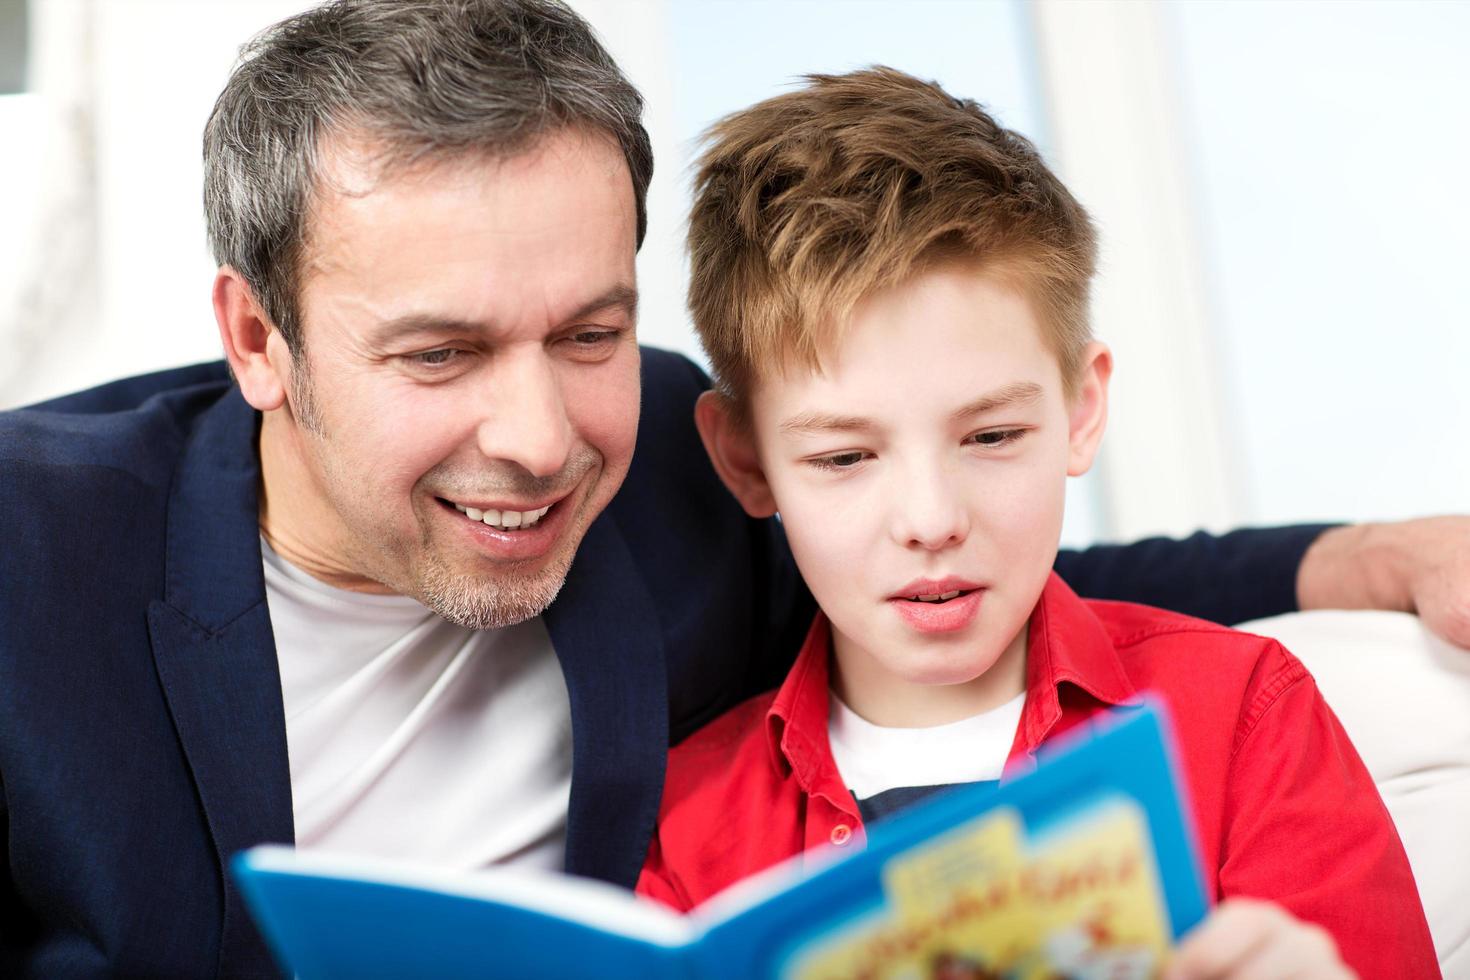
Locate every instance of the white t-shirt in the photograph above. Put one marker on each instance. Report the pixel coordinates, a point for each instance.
(413, 738)
(873, 759)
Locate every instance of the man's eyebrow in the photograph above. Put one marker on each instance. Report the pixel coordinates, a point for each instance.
(420, 323)
(621, 296)
(1019, 393)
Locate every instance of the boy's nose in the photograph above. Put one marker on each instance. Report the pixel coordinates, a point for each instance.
(526, 419)
(928, 515)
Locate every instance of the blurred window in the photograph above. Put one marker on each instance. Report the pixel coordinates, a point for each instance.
(12, 46)
(1330, 153)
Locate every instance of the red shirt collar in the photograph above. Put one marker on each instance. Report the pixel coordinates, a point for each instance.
(1066, 645)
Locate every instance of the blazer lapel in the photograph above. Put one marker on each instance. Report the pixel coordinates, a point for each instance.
(606, 633)
(216, 658)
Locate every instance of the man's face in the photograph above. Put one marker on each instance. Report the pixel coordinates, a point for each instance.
(471, 373)
(928, 458)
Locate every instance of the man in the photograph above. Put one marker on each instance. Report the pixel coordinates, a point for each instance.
(378, 594)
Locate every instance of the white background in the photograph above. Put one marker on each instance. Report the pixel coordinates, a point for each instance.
(1280, 187)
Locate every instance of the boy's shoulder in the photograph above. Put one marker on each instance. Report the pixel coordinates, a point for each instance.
(1143, 633)
(1199, 663)
(723, 751)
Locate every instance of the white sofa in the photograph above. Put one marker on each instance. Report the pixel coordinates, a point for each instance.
(1404, 697)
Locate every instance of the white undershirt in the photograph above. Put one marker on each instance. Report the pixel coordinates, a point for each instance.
(873, 759)
(416, 739)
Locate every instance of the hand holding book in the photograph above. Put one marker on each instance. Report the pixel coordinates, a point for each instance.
(1243, 939)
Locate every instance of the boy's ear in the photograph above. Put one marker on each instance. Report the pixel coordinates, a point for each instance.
(1088, 411)
(253, 345)
(731, 448)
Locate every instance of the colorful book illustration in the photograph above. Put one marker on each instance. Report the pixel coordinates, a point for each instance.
(1084, 868)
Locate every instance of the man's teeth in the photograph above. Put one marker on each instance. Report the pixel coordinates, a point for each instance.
(940, 597)
(503, 519)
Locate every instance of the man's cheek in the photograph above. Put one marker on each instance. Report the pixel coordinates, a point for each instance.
(608, 421)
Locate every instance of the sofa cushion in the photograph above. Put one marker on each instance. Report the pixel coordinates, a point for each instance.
(1403, 695)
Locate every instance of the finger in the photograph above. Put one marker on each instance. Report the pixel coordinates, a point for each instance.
(1444, 606)
(1232, 933)
(1297, 950)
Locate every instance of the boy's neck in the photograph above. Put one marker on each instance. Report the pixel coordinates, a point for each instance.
(879, 696)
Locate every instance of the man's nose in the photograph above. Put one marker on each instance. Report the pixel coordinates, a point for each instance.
(526, 420)
(929, 512)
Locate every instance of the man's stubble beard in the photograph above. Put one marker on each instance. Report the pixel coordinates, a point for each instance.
(480, 603)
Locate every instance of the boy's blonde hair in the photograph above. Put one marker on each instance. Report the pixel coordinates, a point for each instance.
(807, 202)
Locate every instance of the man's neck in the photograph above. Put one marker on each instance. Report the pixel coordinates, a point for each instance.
(295, 512)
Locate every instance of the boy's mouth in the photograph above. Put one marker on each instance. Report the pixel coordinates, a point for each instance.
(938, 605)
(942, 597)
(934, 591)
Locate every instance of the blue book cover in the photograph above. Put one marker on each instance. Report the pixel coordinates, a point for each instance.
(1085, 867)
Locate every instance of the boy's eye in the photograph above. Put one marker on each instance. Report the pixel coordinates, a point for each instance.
(996, 437)
(839, 461)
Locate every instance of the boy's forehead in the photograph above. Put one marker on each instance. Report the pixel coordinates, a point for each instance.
(955, 325)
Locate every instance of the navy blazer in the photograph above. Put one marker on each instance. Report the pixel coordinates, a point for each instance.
(142, 738)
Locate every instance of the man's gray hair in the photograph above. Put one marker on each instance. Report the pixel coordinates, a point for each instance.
(421, 77)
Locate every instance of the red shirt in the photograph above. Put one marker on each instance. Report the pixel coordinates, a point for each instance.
(1283, 808)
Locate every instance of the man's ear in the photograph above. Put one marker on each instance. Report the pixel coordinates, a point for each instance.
(1088, 410)
(251, 341)
(731, 448)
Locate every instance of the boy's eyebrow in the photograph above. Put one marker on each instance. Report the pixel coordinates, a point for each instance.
(811, 423)
(1018, 393)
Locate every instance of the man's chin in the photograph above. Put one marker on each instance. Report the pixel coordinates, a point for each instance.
(485, 602)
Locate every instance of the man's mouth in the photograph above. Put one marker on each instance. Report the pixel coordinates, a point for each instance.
(501, 519)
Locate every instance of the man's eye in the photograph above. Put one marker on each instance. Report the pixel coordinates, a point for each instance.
(996, 437)
(435, 358)
(591, 338)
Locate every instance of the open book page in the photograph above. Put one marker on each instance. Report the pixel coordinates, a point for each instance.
(1084, 868)
(335, 915)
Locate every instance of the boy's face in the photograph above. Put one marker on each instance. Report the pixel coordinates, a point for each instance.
(929, 457)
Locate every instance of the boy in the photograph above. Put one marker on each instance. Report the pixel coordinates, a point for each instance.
(893, 293)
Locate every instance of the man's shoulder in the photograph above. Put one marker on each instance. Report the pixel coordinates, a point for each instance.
(671, 385)
(672, 371)
(133, 426)
(127, 394)
(97, 462)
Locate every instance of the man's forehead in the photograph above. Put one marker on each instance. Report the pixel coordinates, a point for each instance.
(354, 163)
(558, 216)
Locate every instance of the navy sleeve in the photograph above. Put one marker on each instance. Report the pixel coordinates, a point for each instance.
(1227, 578)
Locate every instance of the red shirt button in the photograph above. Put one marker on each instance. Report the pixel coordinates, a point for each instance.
(841, 834)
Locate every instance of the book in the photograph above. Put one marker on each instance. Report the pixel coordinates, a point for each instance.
(1085, 867)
